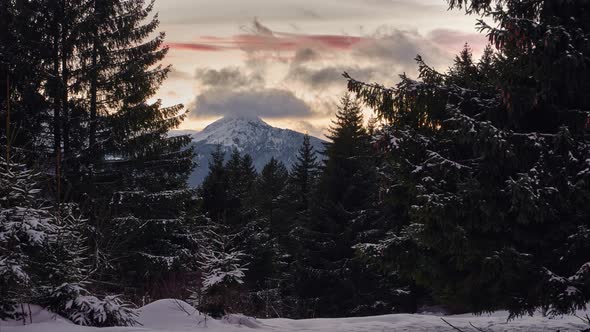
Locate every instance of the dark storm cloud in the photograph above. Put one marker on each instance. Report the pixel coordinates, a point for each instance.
(267, 103)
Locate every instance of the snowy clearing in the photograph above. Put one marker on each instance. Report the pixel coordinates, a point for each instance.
(175, 315)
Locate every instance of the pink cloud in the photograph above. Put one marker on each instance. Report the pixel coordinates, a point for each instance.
(339, 42)
(279, 42)
(262, 38)
(194, 47)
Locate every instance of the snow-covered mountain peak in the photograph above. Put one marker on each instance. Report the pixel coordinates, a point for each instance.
(235, 121)
(239, 131)
(249, 135)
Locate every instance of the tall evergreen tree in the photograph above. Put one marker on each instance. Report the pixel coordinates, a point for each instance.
(346, 158)
(263, 239)
(240, 177)
(213, 190)
(301, 188)
(303, 174)
(326, 233)
(492, 170)
(80, 109)
(270, 193)
(137, 148)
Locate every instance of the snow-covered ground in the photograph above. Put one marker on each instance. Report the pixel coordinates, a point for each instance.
(173, 315)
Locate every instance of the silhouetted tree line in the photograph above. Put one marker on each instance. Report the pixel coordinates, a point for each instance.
(298, 227)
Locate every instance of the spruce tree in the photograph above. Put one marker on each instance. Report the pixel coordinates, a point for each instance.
(303, 174)
(78, 76)
(464, 71)
(240, 177)
(223, 269)
(346, 156)
(270, 194)
(132, 148)
(25, 229)
(227, 190)
(79, 107)
(491, 168)
(213, 190)
(266, 239)
(44, 258)
(301, 188)
(325, 232)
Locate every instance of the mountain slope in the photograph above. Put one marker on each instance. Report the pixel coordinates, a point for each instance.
(249, 135)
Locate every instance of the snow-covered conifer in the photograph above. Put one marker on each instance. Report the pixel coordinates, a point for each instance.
(222, 272)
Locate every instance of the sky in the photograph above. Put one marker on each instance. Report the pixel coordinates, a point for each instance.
(282, 60)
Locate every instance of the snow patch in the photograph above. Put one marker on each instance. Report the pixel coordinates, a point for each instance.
(174, 315)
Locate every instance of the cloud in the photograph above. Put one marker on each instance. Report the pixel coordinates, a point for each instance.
(266, 103)
(316, 78)
(179, 75)
(393, 49)
(307, 127)
(229, 78)
(191, 12)
(377, 57)
(258, 37)
(277, 63)
(386, 45)
(399, 48)
(305, 55)
(325, 77)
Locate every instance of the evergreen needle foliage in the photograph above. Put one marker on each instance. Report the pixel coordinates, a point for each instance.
(487, 164)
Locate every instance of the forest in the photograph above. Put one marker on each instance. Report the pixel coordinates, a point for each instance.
(469, 189)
